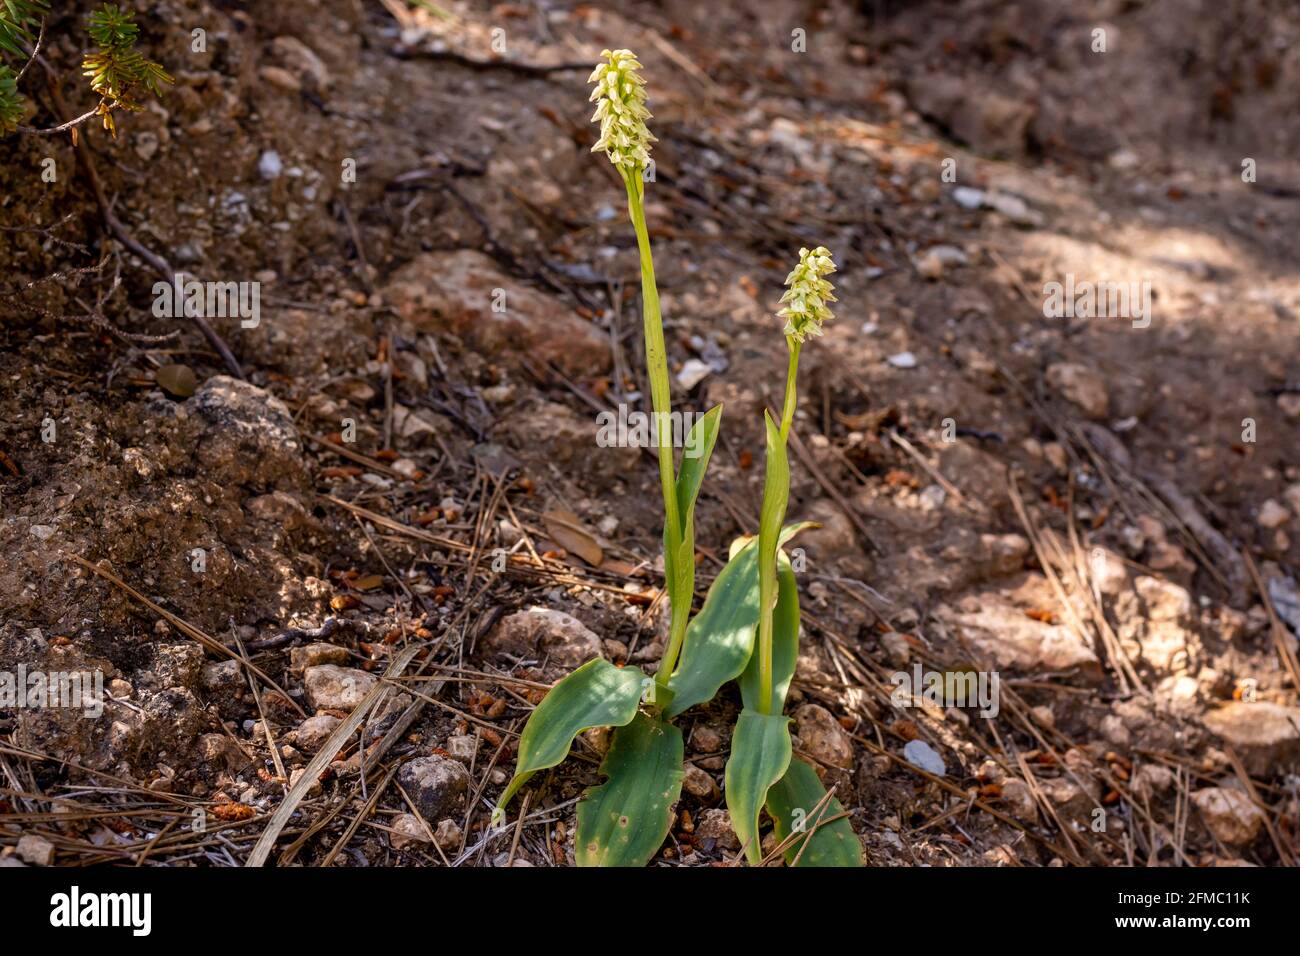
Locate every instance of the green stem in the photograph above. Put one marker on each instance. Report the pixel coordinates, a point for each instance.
(656, 359)
(791, 395)
(767, 576)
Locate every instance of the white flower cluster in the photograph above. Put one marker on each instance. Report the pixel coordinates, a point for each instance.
(808, 294)
(620, 108)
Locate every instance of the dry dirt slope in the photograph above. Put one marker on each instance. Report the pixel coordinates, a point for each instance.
(1084, 533)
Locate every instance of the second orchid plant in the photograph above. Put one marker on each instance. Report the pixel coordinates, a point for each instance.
(753, 604)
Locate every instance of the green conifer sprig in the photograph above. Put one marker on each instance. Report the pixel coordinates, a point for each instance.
(11, 104)
(19, 21)
(117, 71)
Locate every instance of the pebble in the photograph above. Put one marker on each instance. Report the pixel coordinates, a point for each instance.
(1230, 814)
(269, 165)
(822, 737)
(336, 688)
(920, 754)
(408, 829)
(1272, 515)
(716, 825)
(700, 784)
(692, 372)
(436, 785)
(902, 360)
(36, 850)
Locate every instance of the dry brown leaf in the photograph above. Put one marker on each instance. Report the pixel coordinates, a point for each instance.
(568, 531)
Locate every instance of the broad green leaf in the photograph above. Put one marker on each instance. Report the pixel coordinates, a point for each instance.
(720, 639)
(791, 803)
(597, 694)
(760, 753)
(623, 821)
(785, 644)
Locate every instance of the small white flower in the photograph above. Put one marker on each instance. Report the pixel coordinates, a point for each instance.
(808, 294)
(620, 108)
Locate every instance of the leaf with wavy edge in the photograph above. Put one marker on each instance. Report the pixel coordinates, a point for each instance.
(623, 821)
(597, 694)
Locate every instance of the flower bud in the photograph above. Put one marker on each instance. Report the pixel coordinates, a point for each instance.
(808, 294)
(620, 108)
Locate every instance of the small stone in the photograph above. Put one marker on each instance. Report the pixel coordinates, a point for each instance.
(296, 775)
(1019, 800)
(1272, 515)
(920, 754)
(902, 360)
(1082, 387)
(692, 372)
(408, 830)
(313, 655)
(700, 784)
(1265, 735)
(303, 61)
(822, 737)
(336, 688)
(462, 747)
(897, 650)
(448, 835)
(540, 632)
(932, 263)
(269, 165)
(36, 850)
(280, 78)
(436, 785)
(1230, 814)
(716, 825)
(314, 731)
(706, 739)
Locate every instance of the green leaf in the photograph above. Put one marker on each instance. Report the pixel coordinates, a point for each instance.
(720, 639)
(791, 803)
(597, 694)
(679, 555)
(760, 753)
(623, 821)
(785, 644)
(703, 436)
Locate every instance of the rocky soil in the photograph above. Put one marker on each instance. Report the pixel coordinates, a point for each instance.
(406, 483)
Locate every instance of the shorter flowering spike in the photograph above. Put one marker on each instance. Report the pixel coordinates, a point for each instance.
(620, 109)
(808, 294)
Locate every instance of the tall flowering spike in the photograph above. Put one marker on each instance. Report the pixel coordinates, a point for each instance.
(620, 108)
(808, 294)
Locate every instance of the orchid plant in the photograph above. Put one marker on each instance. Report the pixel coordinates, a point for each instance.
(761, 770)
(623, 821)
